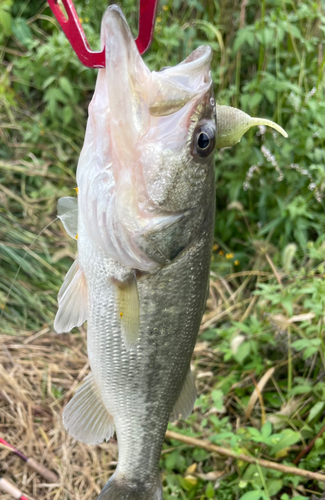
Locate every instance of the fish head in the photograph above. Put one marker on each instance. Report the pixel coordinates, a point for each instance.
(178, 148)
(162, 124)
(149, 144)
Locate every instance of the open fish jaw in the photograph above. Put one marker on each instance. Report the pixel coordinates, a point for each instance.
(124, 143)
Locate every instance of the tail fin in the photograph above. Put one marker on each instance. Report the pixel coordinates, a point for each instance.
(121, 489)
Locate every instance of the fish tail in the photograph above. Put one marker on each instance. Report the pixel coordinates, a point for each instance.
(119, 488)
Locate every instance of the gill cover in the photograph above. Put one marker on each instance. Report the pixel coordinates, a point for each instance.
(130, 109)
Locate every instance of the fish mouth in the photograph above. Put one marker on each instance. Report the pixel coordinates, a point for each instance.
(197, 60)
(136, 97)
(173, 87)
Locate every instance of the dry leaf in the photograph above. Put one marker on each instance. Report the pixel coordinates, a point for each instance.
(260, 386)
(211, 476)
(191, 469)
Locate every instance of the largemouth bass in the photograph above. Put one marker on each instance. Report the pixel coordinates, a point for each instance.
(144, 221)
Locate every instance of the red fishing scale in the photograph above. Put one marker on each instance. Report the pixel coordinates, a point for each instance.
(76, 36)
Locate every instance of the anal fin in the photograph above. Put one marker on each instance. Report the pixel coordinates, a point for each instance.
(128, 310)
(85, 417)
(186, 399)
(73, 300)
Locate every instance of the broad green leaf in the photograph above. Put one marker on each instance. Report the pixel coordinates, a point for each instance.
(175, 461)
(300, 389)
(243, 327)
(270, 95)
(5, 21)
(310, 351)
(66, 86)
(21, 30)
(319, 443)
(300, 344)
(240, 40)
(48, 81)
(243, 36)
(286, 439)
(265, 36)
(217, 396)
(254, 432)
(252, 495)
(250, 471)
(293, 30)
(288, 305)
(243, 351)
(255, 100)
(67, 115)
(266, 430)
(244, 100)
(274, 486)
(209, 491)
(315, 411)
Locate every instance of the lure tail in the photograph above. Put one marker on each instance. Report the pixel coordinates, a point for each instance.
(118, 488)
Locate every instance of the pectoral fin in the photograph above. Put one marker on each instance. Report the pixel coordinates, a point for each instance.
(186, 399)
(85, 417)
(73, 301)
(68, 214)
(128, 310)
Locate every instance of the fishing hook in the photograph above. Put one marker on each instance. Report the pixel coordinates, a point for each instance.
(77, 38)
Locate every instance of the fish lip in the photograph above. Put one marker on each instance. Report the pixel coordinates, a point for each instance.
(200, 57)
(174, 87)
(114, 11)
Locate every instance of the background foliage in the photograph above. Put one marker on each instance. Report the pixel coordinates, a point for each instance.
(265, 312)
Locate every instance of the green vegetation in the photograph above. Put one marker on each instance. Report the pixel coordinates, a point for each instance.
(264, 326)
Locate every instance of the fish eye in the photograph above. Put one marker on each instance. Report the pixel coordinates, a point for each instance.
(204, 140)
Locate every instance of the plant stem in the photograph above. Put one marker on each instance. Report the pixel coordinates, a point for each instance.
(238, 57)
(262, 49)
(268, 464)
(308, 447)
(289, 360)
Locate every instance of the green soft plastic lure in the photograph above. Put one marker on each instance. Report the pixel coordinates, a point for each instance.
(233, 123)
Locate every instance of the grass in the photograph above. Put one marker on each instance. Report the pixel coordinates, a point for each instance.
(259, 358)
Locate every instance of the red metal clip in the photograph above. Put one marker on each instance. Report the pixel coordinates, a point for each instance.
(76, 36)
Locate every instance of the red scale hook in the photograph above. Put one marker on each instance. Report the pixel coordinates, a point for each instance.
(76, 36)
